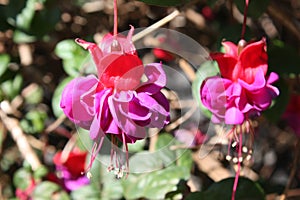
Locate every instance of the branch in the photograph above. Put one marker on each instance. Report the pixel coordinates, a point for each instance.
(277, 14)
(19, 137)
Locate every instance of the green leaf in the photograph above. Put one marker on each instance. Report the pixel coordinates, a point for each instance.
(184, 158)
(112, 187)
(35, 95)
(22, 37)
(206, 70)
(154, 185)
(137, 146)
(256, 7)
(4, 60)
(22, 178)
(180, 157)
(145, 162)
(57, 97)
(40, 172)
(73, 56)
(246, 190)
(12, 87)
(86, 192)
(165, 2)
(45, 190)
(162, 147)
(34, 121)
(23, 20)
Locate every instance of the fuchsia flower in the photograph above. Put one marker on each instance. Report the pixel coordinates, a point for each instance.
(117, 103)
(244, 89)
(292, 113)
(71, 169)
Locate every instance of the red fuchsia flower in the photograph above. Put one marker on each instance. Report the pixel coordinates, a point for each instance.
(244, 88)
(70, 169)
(292, 114)
(161, 54)
(117, 103)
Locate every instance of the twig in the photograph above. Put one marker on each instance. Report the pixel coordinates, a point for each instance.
(211, 167)
(153, 134)
(68, 148)
(293, 171)
(56, 123)
(182, 119)
(277, 14)
(155, 26)
(19, 137)
(187, 69)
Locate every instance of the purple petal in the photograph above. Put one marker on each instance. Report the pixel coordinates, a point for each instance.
(119, 110)
(156, 78)
(234, 116)
(77, 103)
(74, 184)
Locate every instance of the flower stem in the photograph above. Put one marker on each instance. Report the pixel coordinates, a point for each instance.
(238, 171)
(245, 19)
(115, 17)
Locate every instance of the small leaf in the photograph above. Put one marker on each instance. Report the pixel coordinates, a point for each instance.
(40, 172)
(22, 179)
(22, 37)
(165, 2)
(34, 121)
(11, 88)
(73, 56)
(34, 95)
(206, 70)
(4, 60)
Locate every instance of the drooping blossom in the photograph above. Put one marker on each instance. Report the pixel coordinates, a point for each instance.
(70, 169)
(292, 114)
(116, 102)
(244, 88)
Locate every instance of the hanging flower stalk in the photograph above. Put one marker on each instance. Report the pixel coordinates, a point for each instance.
(242, 92)
(116, 104)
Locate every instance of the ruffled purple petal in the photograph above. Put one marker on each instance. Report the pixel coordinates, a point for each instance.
(119, 107)
(156, 79)
(77, 100)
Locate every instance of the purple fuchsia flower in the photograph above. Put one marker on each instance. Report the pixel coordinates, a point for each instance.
(71, 169)
(117, 103)
(244, 88)
(242, 91)
(292, 114)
